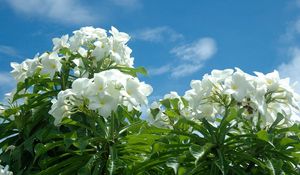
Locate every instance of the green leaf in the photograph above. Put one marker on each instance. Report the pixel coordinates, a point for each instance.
(133, 71)
(166, 103)
(211, 129)
(141, 70)
(39, 149)
(270, 167)
(199, 151)
(112, 162)
(279, 118)
(263, 135)
(173, 163)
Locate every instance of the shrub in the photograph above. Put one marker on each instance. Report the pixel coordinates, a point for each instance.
(77, 110)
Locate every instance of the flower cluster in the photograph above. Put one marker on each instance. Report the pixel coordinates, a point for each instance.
(103, 94)
(262, 94)
(88, 49)
(259, 95)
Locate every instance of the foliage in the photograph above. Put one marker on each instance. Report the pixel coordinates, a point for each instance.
(78, 108)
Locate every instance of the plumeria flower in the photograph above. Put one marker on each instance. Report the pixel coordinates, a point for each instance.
(33, 65)
(100, 51)
(220, 76)
(159, 119)
(80, 86)
(103, 103)
(238, 86)
(103, 93)
(51, 63)
(99, 84)
(63, 105)
(271, 80)
(83, 52)
(119, 36)
(136, 93)
(19, 71)
(91, 33)
(79, 70)
(60, 42)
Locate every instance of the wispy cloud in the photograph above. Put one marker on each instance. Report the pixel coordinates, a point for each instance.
(292, 32)
(6, 78)
(9, 51)
(157, 34)
(7, 83)
(291, 68)
(196, 52)
(160, 70)
(129, 4)
(64, 11)
(185, 70)
(193, 56)
(190, 58)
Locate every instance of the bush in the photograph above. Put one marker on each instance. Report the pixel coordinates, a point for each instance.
(77, 110)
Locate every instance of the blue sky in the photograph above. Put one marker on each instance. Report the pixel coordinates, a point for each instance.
(177, 41)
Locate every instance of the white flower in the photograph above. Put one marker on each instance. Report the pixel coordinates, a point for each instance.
(92, 33)
(103, 94)
(32, 65)
(271, 80)
(79, 69)
(207, 111)
(82, 51)
(98, 85)
(100, 51)
(5, 171)
(119, 36)
(51, 63)
(19, 71)
(103, 103)
(172, 95)
(160, 119)
(63, 105)
(221, 75)
(80, 86)
(238, 85)
(136, 93)
(24, 70)
(60, 42)
(75, 42)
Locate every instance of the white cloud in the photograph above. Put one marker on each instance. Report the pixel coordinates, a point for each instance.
(190, 58)
(65, 11)
(9, 51)
(157, 34)
(6, 78)
(291, 69)
(196, 52)
(7, 83)
(159, 70)
(193, 56)
(291, 33)
(185, 70)
(131, 4)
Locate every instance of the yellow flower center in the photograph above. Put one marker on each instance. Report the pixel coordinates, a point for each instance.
(234, 87)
